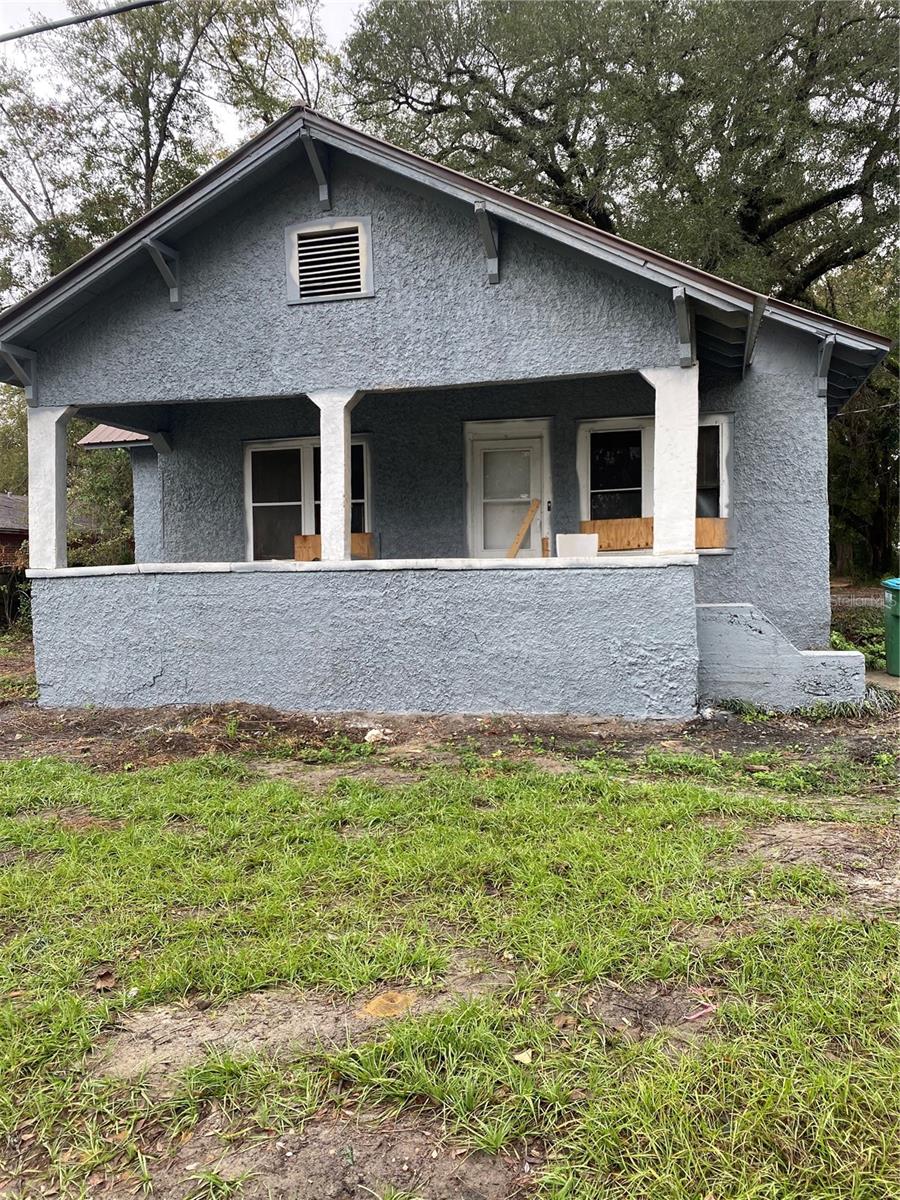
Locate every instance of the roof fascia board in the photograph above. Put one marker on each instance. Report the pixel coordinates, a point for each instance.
(823, 327)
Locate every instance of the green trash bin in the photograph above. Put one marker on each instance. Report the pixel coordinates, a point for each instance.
(892, 624)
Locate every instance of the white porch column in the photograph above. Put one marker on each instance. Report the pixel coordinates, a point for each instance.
(47, 486)
(335, 406)
(675, 458)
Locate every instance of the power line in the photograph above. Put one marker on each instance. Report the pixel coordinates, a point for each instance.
(77, 20)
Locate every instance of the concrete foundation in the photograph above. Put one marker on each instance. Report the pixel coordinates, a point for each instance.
(743, 656)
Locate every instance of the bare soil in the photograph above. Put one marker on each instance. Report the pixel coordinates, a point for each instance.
(111, 739)
(684, 1015)
(863, 859)
(333, 1157)
(160, 1042)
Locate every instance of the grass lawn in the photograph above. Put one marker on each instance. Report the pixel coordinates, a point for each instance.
(464, 968)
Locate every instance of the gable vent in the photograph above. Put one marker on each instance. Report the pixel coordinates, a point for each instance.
(329, 262)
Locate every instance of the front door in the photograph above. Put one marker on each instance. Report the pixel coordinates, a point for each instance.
(506, 475)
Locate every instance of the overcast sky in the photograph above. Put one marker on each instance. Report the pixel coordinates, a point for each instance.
(336, 15)
(337, 18)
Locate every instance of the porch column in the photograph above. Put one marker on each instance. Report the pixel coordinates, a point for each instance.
(335, 406)
(675, 459)
(47, 486)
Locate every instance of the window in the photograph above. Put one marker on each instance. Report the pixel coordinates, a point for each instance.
(328, 260)
(615, 467)
(282, 490)
(714, 466)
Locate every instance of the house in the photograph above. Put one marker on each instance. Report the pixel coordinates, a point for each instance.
(376, 400)
(13, 526)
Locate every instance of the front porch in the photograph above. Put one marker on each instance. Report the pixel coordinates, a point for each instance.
(525, 547)
(491, 472)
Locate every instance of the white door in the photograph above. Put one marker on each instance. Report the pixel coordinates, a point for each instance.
(507, 474)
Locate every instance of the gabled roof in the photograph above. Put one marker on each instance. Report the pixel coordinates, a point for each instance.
(110, 437)
(727, 315)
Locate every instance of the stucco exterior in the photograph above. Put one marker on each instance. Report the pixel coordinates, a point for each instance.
(434, 320)
(561, 639)
(780, 509)
(743, 656)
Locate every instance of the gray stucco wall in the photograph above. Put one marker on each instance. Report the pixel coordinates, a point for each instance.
(780, 505)
(548, 639)
(148, 505)
(434, 319)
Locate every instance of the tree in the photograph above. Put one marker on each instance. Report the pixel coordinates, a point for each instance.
(38, 232)
(755, 140)
(142, 124)
(264, 56)
(864, 439)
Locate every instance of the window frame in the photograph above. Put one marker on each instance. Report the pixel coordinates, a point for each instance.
(583, 464)
(725, 422)
(307, 501)
(366, 269)
(646, 424)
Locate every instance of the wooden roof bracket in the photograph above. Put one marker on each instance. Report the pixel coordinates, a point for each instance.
(756, 316)
(23, 364)
(166, 261)
(826, 347)
(318, 161)
(684, 317)
(490, 240)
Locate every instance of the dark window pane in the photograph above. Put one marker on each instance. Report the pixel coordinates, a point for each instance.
(708, 456)
(276, 476)
(274, 529)
(357, 473)
(708, 502)
(358, 517)
(608, 506)
(317, 473)
(616, 459)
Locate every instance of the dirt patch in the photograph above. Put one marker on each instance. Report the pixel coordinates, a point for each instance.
(863, 859)
(163, 1040)
(684, 1015)
(77, 819)
(11, 856)
(319, 777)
(333, 1158)
(112, 738)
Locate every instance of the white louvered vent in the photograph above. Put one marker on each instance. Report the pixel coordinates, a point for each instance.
(329, 263)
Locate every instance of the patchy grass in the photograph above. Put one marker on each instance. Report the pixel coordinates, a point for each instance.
(200, 881)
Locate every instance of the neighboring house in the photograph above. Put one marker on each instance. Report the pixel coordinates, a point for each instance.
(337, 350)
(13, 526)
